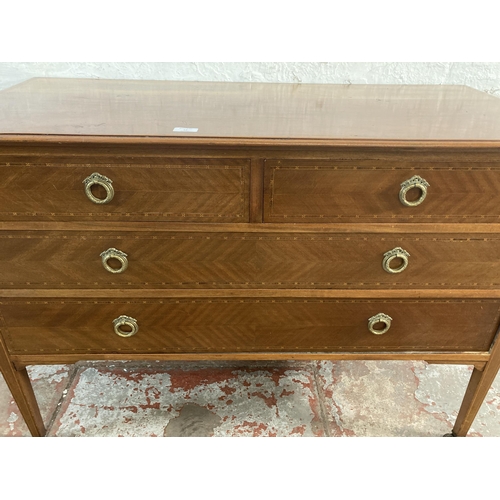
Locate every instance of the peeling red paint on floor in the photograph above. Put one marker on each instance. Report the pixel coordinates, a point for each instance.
(255, 400)
(269, 400)
(345, 398)
(299, 430)
(398, 398)
(254, 429)
(186, 381)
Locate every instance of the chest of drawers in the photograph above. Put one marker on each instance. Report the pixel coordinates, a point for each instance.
(190, 221)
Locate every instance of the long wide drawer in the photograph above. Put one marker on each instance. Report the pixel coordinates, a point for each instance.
(175, 259)
(381, 191)
(196, 189)
(246, 325)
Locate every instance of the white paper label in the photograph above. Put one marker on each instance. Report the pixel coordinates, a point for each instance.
(185, 129)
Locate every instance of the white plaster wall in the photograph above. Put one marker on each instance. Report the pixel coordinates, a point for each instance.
(482, 76)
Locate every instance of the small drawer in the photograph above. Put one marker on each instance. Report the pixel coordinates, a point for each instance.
(220, 259)
(201, 190)
(53, 326)
(381, 191)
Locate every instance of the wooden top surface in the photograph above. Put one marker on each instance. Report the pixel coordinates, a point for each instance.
(290, 112)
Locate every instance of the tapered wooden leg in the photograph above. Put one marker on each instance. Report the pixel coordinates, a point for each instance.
(22, 391)
(479, 385)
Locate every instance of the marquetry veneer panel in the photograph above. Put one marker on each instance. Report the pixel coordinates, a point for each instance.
(174, 259)
(368, 191)
(183, 189)
(253, 325)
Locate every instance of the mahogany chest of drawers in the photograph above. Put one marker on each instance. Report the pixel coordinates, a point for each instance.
(187, 220)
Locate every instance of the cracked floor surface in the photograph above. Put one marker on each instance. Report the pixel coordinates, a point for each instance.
(323, 398)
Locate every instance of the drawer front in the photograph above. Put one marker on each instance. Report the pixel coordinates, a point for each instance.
(246, 325)
(211, 190)
(369, 191)
(70, 259)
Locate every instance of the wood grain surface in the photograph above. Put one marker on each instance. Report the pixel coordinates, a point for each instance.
(86, 107)
(320, 293)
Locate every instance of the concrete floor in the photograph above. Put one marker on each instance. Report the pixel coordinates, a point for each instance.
(345, 398)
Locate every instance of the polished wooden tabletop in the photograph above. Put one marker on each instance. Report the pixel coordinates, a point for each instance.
(128, 108)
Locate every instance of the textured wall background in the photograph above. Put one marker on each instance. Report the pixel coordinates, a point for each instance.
(482, 76)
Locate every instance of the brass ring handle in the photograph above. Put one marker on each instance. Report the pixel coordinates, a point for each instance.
(379, 318)
(415, 182)
(113, 253)
(121, 321)
(103, 181)
(395, 253)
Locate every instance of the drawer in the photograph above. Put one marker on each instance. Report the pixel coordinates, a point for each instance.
(246, 325)
(369, 191)
(176, 259)
(202, 190)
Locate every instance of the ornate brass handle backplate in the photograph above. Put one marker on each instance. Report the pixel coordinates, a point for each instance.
(395, 253)
(127, 321)
(103, 181)
(415, 182)
(379, 318)
(113, 253)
